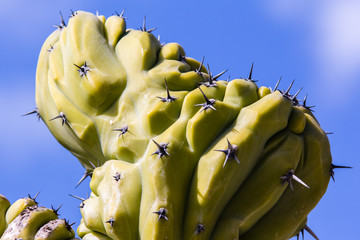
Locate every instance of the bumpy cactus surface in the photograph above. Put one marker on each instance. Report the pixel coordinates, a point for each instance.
(25, 220)
(175, 153)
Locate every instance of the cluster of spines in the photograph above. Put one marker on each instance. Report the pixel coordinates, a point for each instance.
(19, 219)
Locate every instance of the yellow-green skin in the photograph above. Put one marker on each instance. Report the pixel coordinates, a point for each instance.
(4, 206)
(26, 225)
(294, 206)
(25, 220)
(113, 112)
(55, 230)
(126, 75)
(17, 207)
(248, 206)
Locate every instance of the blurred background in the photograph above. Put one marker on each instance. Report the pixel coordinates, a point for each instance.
(316, 42)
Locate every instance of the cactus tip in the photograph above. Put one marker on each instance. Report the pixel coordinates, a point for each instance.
(36, 112)
(161, 214)
(198, 70)
(168, 97)
(73, 14)
(34, 198)
(79, 198)
(143, 28)
(249, 78)
(306, 106)
(88, 173)
(208, 102)
(56, 211)
(230, 153)
(332, 167)
(68, 225)
(51, 48)
(62, 116)
(117, 176)
(111, 221)
(62, 24)
(161, 151)
(311, 232)
(276, 85)
(199, 228)
(122, 130)
(289, 176)
(121, 14)
(83, 70)
(251, 71)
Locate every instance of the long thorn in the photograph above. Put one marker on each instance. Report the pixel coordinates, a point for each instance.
(306, 227)
(297, 93)
(37, 194)
(198, 71)
(206, 99)
(144, 24)
(218, 75)
(288, 90)
(122, 13)
(86, 174)
(332, 167)
(79, 198)
(277, 84)
(300, 181)
(251, 71)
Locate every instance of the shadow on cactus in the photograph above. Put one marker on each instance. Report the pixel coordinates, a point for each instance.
(174, 152)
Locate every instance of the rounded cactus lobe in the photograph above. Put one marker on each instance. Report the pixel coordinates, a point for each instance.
(240, 93)
(172, 51)
(91, 210)
(137, 51)
(179, 75)
(203, 127)
(4, 206)
(297, 120)
(248, 206)
(117, 189)
(216, 180)
(196, 66)
(88, 86)
(263, 91)
(115, 27)
(162, 114)
(84, 41)
(17, 207)
(165, 180)
(169, 176)
(294, 206)
(58, 229)
(28, 222)
(82, 229)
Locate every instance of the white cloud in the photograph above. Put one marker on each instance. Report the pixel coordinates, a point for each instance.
(332, 37)
(337, 44)
(285, 10)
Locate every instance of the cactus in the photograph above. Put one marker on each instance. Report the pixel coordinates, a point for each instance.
(25, 220)
(4, 206)
(172, 151)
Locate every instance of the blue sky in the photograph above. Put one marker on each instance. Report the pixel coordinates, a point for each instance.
(317, 43)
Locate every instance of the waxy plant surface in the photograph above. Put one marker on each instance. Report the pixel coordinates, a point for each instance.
(176, 148)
